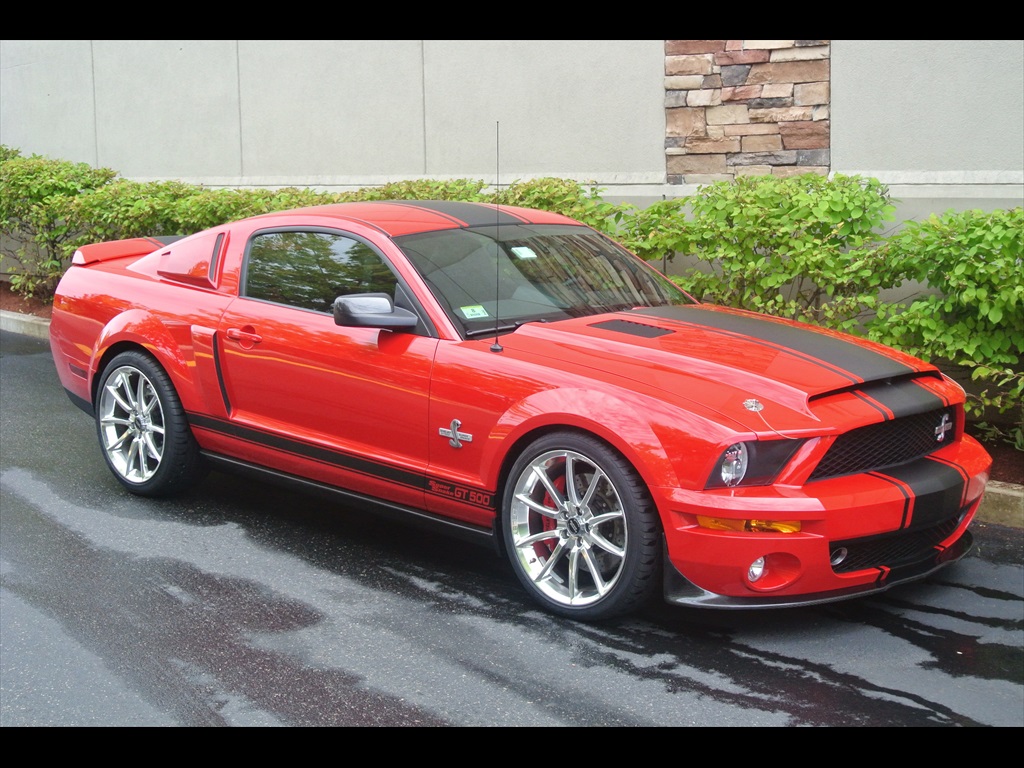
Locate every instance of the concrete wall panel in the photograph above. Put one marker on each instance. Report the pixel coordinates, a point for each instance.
(586, 109)
(940, 111)
(167, 108)
(47, 100)
(323, 109)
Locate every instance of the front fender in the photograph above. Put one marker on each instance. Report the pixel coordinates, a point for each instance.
(667, 446)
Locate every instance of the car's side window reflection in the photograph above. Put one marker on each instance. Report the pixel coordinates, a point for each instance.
(310, 270)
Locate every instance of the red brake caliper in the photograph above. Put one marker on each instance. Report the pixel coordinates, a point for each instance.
(547, 546)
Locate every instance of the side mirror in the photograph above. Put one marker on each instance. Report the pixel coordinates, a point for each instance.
(372, 310)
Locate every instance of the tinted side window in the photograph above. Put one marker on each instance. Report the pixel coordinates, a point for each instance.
(310, 270)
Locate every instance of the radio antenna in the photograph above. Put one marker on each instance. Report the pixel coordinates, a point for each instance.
(496, 346)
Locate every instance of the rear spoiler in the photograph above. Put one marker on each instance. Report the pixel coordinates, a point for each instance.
(120, 249)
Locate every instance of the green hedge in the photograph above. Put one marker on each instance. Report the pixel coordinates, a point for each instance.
(807, 247)
(35, 193)
(974, 261)
(801, 247)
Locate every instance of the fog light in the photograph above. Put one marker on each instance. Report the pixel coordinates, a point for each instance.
(838, 555)
(773, 572)
(756, 569)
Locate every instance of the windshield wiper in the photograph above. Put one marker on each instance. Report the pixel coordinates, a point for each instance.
(493, 329)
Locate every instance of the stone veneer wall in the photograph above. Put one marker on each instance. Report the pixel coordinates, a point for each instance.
(745, 107)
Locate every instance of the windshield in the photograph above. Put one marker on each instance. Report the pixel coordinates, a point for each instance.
(499, 277)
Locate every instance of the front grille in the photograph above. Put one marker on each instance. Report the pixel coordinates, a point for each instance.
(893, 550)
(885, 444)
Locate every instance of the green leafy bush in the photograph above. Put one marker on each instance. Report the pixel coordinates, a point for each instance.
(464, 190)
(292, 197)
(974, 260)
(570, 198)
(35, 194)
(124, 209)
(800, 247)
(657, 232)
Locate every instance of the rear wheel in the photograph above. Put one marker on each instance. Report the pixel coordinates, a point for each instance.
(142, 428)
(580, 528)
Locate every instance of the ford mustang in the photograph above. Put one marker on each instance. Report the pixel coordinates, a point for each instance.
(518, 378)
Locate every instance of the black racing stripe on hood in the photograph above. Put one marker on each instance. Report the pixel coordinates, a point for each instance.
(468, 214)
(846, 358)
(900, 397)
(886, 413)
(937, 488)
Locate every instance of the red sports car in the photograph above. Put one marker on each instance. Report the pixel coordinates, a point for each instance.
(520, 378)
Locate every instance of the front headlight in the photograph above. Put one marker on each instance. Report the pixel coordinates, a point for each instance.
(734, 465)
(757, 462)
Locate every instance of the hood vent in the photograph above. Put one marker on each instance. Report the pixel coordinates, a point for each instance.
(631, 328)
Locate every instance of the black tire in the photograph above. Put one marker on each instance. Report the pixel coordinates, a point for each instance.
(585, 554)
(142, 428)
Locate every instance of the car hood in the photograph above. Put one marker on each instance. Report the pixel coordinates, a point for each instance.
(720, 359)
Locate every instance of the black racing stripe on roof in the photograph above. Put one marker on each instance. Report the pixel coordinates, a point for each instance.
(467, 214)
(843, 357)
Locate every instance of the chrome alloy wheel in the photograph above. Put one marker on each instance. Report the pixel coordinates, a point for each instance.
(131, 424)
(568, 528)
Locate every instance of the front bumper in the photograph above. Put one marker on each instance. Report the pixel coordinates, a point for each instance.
(678, 590)
(858, 535)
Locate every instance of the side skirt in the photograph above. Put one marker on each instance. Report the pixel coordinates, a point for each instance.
(359, 502)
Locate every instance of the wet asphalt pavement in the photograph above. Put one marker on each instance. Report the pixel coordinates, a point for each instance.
(242, 604)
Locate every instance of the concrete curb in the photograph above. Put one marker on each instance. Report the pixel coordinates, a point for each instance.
(1003, 503)
(26, 325)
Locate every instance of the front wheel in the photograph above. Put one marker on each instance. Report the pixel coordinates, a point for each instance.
(142, 428)
(581, 529)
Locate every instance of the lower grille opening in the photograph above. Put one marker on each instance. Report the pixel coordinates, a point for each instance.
(891, 550)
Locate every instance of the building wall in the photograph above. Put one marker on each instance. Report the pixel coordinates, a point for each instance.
(941, 122)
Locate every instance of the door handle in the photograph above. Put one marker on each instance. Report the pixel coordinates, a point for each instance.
(244, 336)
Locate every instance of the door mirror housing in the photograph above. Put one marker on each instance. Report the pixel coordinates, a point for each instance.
(372, 310)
